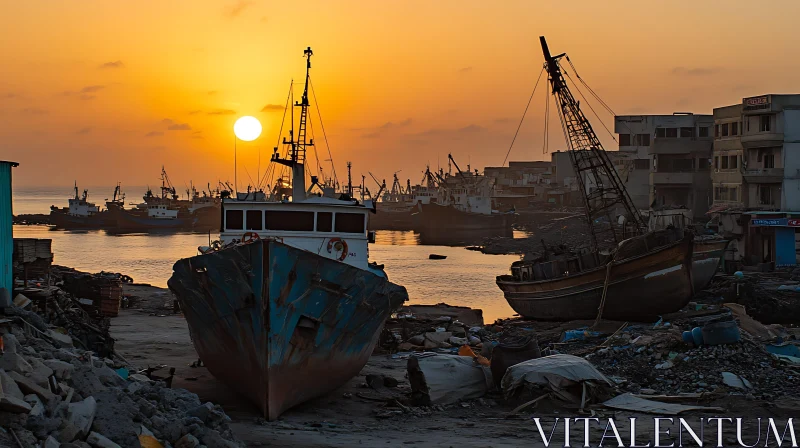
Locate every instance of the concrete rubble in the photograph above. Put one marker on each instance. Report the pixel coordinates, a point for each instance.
(56, 393)
(658, 360)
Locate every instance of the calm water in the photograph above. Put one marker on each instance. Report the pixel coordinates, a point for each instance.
(464, 278)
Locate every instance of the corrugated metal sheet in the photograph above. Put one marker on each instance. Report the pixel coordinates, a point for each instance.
(6, 236)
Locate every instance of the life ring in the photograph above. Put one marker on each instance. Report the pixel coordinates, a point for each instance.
(338, 244)
(249, 237)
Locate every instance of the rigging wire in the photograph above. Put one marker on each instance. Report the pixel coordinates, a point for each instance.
(271, 169)
(546, 142)
(596, 96)
(523, 116)
(316, 154)
(607, 107)
(589, 104)
(322, 125)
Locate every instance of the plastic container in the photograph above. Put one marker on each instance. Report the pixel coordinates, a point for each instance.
(721, 333)
(697, 335)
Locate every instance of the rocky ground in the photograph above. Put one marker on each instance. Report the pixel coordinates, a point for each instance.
(358, 414)
(56, 395)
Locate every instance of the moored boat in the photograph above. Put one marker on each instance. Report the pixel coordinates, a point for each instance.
(650, 275)
(440, 217)
(706, 258)
(286, 306)
(80, 214)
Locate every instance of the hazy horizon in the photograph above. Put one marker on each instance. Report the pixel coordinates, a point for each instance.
(103, 92)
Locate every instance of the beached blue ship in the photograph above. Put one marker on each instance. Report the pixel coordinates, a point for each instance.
(287, 306)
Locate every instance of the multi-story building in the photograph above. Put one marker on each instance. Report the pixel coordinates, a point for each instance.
(679, 148)
(757, 177)
(730, 191)
(519, 184)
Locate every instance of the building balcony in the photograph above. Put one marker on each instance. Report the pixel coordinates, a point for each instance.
(764, 175)
(672, 178)
(762, 139)
(684, 145)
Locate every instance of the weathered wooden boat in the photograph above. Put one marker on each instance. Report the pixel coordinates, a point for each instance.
(286, 306)
(706, 257)
(650, 275)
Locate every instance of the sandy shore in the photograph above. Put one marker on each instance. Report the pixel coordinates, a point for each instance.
(352, 415)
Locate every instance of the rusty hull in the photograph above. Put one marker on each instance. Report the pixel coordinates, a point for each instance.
(282, 325)
(641, 288)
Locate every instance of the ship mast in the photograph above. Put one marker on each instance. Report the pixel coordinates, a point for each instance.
(297, 155)
(600, 185)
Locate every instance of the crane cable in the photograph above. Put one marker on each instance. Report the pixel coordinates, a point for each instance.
(546, 142)
(523, 117)
(590, 105)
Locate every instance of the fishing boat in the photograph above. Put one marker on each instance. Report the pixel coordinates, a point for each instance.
(646, 277)
(394, 208)
(80, 214)
(157, 216)
(706, 258)
(286, 306)
(636, 278)
(464, 204)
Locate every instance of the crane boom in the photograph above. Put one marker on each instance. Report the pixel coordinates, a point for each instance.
(601, 187)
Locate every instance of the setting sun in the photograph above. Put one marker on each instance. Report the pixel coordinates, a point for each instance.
(247, 128)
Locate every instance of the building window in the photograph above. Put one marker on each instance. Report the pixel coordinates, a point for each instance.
(769, 160)
(703, 131)
(255, 220)
(682, 165)
(765, 195)
(661, 132)
(672, 132)
(687, 132)
(324, 221)
(624, 139)
(291, 221)
(734, 162)
(642, 139)
(234, 219)
(641, 164)
(724, 162)
(716, 130)
(764, 123)
(716, 162)
(734, 128)
(350, 222)
(725, 129)
(702, 164)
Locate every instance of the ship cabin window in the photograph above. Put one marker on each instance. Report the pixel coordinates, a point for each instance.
(350, 222)
(255, 220)
(234, 219)
(324, 221)
(291, 221)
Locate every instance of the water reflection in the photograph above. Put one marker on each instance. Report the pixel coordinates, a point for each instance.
(464, 278)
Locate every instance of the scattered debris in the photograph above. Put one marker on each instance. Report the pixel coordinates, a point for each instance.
(630, 402)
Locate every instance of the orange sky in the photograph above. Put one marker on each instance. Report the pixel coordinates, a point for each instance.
(100, 92)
